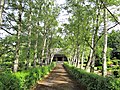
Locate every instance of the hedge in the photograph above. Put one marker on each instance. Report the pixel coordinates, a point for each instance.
(93, 81)
(25, 79)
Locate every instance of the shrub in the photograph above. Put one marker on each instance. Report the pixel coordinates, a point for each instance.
(1, 85)
(23, 80)
(109, 63)
(93, 81)
(115, 73)
(115, 62)
(45, 70)
(34, 75)
(99, 67)
(8, 81)
(21, 76)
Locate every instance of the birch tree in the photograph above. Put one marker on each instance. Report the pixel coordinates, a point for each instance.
(104, 72)
(29, 33)
(19, 25)
(1, 10)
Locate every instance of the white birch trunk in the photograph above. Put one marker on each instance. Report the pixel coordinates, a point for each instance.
(82, 59)
(29, 42)
(1, 10)
(73, 56)
(16, 62)
(36, 50)
(78, 57)
(43, 49)
(47, 55)
(104, 72)
(90, 56)
(44, 43)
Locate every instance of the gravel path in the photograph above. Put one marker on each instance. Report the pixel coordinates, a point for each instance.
(58, 79)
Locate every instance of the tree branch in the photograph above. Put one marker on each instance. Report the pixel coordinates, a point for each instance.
(103, 33)
(112, 27)
(10, 23)
(11, 17)
(110, 12)
(89, 44)
(112, 15)
(7, 31)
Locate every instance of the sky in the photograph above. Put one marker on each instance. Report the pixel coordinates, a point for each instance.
(115, 10)
(63, 14)
(60, 1)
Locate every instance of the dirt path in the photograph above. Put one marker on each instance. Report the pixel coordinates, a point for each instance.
(58, 79)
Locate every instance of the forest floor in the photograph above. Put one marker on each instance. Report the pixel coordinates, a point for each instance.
(58, 79)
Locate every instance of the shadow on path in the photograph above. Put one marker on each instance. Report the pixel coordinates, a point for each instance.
(59, 79)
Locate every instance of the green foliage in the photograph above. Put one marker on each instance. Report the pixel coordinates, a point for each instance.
(93, 81)
(45, 70)
(99, 67)
(34, 75)
(114, 40)
(116, 73)
(99, 52)
(25, 79)
(109, 63)
(21, 76)
(8, 81)
(115, 61)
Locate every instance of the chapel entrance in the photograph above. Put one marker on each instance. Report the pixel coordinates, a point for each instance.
(60, 58)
